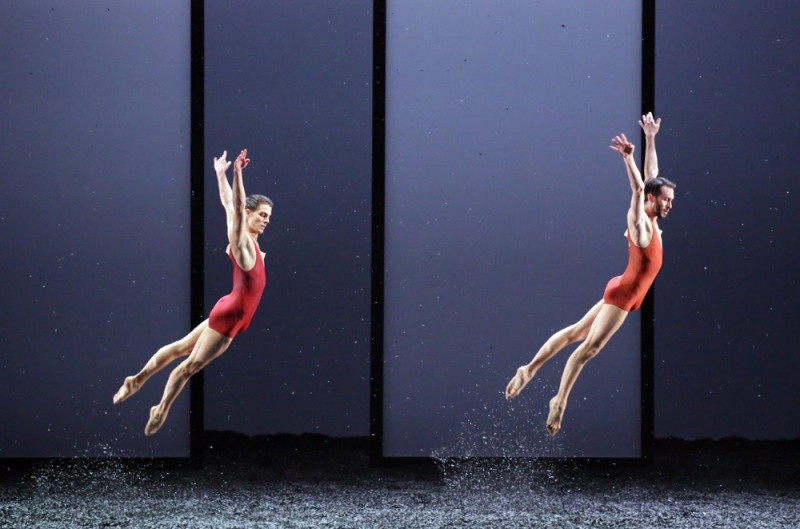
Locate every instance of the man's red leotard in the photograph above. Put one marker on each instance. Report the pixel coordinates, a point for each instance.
(628, 290)
(232, 313)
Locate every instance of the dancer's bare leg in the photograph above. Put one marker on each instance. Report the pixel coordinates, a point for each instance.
(608, 321)
(209, 346)
(566, 336)
(159, 361)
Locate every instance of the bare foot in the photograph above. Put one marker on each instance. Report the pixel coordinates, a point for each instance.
(554, 417)
(156, 421)
(519, 381)
(127, 389)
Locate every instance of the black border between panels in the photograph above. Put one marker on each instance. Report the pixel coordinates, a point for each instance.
(648, 306)
(197, 223)
(378, 247)
(378, 220)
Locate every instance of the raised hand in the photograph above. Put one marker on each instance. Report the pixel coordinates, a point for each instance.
(621, 145)
(650, 125)
(241, 161)
(221, 164)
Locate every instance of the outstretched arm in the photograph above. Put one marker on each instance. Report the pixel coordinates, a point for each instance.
(237, 231)
(221, 165)
(638, 227)
(650, 126)
(234, 200)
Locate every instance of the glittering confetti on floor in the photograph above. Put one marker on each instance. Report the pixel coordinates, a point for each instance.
(312, 481)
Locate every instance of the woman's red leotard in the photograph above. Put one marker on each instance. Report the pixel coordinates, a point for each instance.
(232, 313)
(628, 290)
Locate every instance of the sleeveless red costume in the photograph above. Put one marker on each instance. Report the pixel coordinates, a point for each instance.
(232, 313)
(628, 290)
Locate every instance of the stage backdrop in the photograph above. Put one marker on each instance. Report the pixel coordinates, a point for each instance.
(505, 215)
(726, 357)
(94, 217)
(291, 81)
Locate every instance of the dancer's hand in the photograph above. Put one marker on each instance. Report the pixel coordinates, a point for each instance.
(621, 145)
(242, 161)
(221, 164)
(649, 125)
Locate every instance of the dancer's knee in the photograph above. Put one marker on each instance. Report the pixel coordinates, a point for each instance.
(575, 332)
(183, 347)
(168, 353)
(588, 351)
(191, 368)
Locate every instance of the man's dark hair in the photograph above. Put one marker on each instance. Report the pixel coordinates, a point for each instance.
(654, 185)
(253, 201)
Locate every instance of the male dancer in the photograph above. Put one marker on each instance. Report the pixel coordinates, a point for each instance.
(651, 200)
(247, 217)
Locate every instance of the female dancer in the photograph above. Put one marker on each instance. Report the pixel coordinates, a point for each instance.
(651, 200)
(247, 218)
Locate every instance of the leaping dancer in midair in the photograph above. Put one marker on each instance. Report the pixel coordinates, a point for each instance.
(651, 200)
(247, 218)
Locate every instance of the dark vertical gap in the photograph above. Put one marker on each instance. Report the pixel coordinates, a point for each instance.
(648, 306)
(378, 206)
(197, 309)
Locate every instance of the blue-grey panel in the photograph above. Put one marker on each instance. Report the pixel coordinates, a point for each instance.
(291, 81)
(505, 214)
(94, 217)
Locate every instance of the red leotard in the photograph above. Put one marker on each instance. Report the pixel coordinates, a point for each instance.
(232, 313)
(628, 290)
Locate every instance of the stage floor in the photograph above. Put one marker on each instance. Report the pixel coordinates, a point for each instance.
(312, 481)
